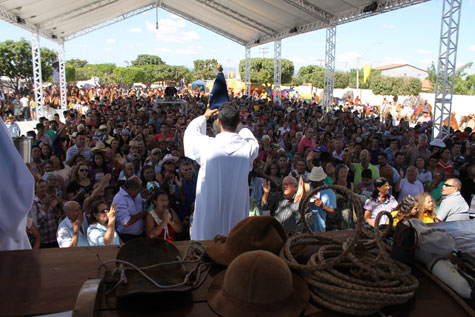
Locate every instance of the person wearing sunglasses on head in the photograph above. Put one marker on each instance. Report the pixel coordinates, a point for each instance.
(453, 206)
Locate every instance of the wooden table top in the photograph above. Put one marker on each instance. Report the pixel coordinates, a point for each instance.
(46, 281)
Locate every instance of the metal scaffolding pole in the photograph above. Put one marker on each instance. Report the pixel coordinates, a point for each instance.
(329, 75)
(444, 87)
(277, 70)
(37, 81)
(247, 70)
(62, 76)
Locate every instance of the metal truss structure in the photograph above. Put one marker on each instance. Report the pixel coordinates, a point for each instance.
(349, 16)
(62, 76)
(444, 87)
(329, 75)
(277, 70)
(14, 19)
(247, 70)
(112, 21)
(37, 81)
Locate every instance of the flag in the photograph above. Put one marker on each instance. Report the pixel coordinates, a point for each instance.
(366, 72)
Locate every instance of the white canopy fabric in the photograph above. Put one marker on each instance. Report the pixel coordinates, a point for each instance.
(247, 22)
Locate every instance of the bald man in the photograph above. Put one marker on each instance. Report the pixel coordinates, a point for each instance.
(286, 210)
(72, 231)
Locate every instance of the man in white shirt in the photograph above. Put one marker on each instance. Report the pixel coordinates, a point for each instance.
(72, 231)
(222, 192)
(25, 105)
(453, 206)
(13, 127)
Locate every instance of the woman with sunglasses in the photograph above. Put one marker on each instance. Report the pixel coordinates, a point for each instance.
(102, 229)
(80, 185)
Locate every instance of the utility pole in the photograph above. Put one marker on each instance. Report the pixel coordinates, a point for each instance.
(358, 73)
(263, 51)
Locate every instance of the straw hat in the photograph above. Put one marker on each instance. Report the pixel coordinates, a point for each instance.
(252, 233)
(258, 283)
(438, 143)
(100, 147)
(168, 157)
(317, 174)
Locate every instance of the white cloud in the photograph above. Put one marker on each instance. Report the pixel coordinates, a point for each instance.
(108, 49)
(423, 51)
(389, 26)
(471, 48)
(425, 62)
(111, 41)
(172, 30)
(135, 30)
(79, 45)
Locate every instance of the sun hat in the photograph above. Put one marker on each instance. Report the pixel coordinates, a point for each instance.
(143, 252)
(251, 233)
(168, 157)
(438, 143)
(125, 132)
(100, 147)
(133, 143)
(258, 283)
(317, 174)
(102, 127)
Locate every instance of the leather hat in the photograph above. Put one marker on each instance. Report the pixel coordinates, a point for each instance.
(252, 233)
(258, 283)
(144, 252)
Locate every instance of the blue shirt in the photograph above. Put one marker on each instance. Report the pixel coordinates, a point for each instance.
(127, 207)
(328, 198)
(65, 233)
(95, 235)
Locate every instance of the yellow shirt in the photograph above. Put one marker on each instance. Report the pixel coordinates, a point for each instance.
(395, 218)
(427, 218)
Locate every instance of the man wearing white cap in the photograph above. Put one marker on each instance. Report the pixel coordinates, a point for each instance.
(323, 202)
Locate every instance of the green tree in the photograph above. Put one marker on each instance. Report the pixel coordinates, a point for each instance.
(128, 75)
(70, 73)
(145, 59)
(262, 71)
(16, 62)
(312, 74)
(382, 86)
(341, 80)
(77, 63)
(205, 69)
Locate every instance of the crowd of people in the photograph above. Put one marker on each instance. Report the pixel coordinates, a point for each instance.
(125, 164)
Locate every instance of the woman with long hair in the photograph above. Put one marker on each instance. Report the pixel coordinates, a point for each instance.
(380, 201)
(101, 231)
(272, 170)
(423, 174)
(60, 169)
(408, 209)
(427, 207)
(162, 222)
(80, 185)
(341, 175)
(99, 166)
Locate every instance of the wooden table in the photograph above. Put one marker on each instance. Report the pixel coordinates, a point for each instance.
(34, 282)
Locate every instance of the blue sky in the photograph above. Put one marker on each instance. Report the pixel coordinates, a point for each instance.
(410, 35)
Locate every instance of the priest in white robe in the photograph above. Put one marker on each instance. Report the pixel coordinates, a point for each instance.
(222, 191)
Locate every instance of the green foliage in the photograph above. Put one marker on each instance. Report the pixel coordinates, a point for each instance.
(262, 71)
(297, 81)
(205, 69)
(70, 73)
(341, 80)
(16, 62)
(396, 86)
(145, 59)
(76, 62)
(128, 75)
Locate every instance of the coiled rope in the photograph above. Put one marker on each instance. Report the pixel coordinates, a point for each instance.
(356, 277)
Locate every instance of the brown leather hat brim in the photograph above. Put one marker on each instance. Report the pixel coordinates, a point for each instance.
(221, 253)
(224, 307)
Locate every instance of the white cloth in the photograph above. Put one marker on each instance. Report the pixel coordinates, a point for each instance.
(66, 231)
(13, 129)
(16, 195)
(222, 191)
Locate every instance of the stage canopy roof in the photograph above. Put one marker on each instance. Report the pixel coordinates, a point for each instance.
(247, 22)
